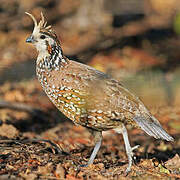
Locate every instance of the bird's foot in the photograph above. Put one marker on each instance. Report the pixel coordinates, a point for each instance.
(130, 155)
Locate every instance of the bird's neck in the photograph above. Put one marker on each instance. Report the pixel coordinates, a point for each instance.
(51, 59)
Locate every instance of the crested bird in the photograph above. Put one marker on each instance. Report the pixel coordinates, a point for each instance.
(87, 96)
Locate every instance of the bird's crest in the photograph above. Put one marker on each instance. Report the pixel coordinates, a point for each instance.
(41, 26)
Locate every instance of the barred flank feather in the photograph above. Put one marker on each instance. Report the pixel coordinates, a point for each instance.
(152, 128)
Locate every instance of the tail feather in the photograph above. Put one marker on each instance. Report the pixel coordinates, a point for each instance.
(153, 128)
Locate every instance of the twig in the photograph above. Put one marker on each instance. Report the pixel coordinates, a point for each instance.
(23, 141)
(17, 106)
(22, 107)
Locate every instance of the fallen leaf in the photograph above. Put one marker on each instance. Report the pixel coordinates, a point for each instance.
(173, 163)
(8, 131)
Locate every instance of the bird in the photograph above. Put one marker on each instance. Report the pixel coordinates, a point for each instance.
(88, 97)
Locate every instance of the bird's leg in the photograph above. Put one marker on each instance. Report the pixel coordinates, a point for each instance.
(98, 140)
(129, 150)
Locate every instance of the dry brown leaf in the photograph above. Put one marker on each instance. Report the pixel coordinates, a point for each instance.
(173, 163)
(8, 131)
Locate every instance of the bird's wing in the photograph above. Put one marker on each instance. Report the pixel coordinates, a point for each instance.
(111, 101)
(113, 97)
(134, 111)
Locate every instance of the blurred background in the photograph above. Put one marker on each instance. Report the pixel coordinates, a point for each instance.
(134, 41)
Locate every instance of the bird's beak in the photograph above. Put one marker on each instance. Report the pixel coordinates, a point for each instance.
(30, 39)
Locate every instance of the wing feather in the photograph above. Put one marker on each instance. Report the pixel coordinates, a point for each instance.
(152, 128)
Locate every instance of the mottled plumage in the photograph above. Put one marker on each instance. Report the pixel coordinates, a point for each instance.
(86, 96)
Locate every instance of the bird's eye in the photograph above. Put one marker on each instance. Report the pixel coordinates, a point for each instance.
(42, 36)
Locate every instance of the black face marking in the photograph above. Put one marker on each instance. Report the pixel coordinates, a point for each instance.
(52, 35)
(42, 36)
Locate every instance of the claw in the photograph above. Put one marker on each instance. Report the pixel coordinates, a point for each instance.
(83, 165)
(78, 168)
(130, 157)
(135, 147)
(128, 169)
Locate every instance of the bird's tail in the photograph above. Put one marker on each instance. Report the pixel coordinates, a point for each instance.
(152, 127)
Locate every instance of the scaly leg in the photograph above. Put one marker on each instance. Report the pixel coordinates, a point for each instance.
(129, 150)
(98, 140)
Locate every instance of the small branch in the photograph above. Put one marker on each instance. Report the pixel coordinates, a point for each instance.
(23, 141)
(36, 112)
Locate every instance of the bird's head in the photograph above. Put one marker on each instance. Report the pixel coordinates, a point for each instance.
(42, 37)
